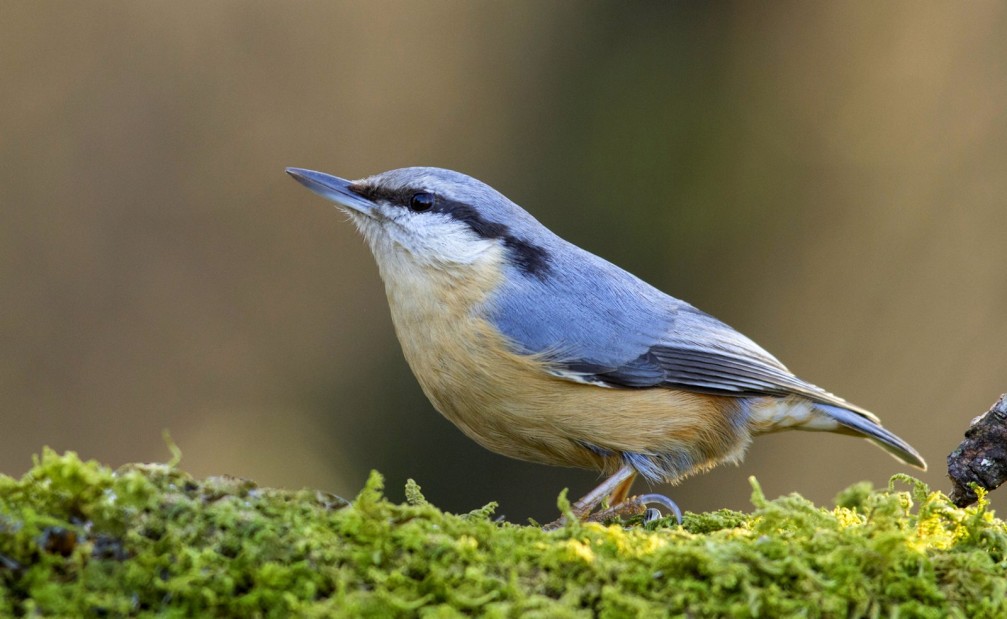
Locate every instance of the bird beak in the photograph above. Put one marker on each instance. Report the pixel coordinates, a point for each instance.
(332, 188)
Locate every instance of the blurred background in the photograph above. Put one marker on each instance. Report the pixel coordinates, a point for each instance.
(828, 178)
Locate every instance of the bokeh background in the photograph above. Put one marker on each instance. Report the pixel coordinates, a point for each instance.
(829, 178)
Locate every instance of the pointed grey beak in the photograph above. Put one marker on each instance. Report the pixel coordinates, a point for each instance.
(332, 188)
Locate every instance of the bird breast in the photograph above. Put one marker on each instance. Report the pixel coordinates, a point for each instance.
(511, 404)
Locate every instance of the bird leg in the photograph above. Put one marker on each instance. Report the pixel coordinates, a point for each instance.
(615, 488)
(621, 491)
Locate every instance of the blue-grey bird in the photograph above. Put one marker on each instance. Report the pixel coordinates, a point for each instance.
(542, 351)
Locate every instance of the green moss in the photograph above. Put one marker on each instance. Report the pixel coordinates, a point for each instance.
(78, 539)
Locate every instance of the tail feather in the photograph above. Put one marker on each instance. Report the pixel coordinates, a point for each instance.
(866, 427)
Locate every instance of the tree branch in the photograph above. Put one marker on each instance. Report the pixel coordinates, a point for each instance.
(982, 457)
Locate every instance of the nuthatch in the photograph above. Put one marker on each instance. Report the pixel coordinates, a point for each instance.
(541, 351)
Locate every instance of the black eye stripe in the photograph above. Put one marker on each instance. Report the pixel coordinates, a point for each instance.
(399, 197)
(530, 258)
(416, 199)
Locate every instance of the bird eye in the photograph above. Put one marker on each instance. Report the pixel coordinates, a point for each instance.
(421, 202)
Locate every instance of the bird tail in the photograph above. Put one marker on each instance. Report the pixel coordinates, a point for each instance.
(863, 426)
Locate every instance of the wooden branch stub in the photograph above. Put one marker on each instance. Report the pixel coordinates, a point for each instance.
(982, 456)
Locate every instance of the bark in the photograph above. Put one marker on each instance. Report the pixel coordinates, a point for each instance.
(982, 457)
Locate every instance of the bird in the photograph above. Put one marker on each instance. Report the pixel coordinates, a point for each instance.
(541, 351)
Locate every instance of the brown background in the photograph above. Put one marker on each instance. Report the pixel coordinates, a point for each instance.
(829, 178)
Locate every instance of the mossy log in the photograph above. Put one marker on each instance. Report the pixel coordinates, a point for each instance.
(78, 539)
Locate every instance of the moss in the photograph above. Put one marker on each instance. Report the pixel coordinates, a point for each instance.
(78, 539)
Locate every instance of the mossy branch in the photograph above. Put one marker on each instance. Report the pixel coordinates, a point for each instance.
(78, 539)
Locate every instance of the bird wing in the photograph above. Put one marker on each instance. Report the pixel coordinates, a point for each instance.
(700, 353)
(596, 323)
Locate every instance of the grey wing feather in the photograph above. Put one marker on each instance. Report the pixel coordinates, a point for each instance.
(619, 331)
(732, 363)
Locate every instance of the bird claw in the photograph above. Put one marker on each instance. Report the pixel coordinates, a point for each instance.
(637, 506)
(663, 501)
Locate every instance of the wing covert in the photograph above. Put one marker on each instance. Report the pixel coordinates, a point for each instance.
(621, 332)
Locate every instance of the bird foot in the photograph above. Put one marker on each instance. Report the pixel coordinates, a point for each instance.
(633, 506)
(615, 489)
(636, 506)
